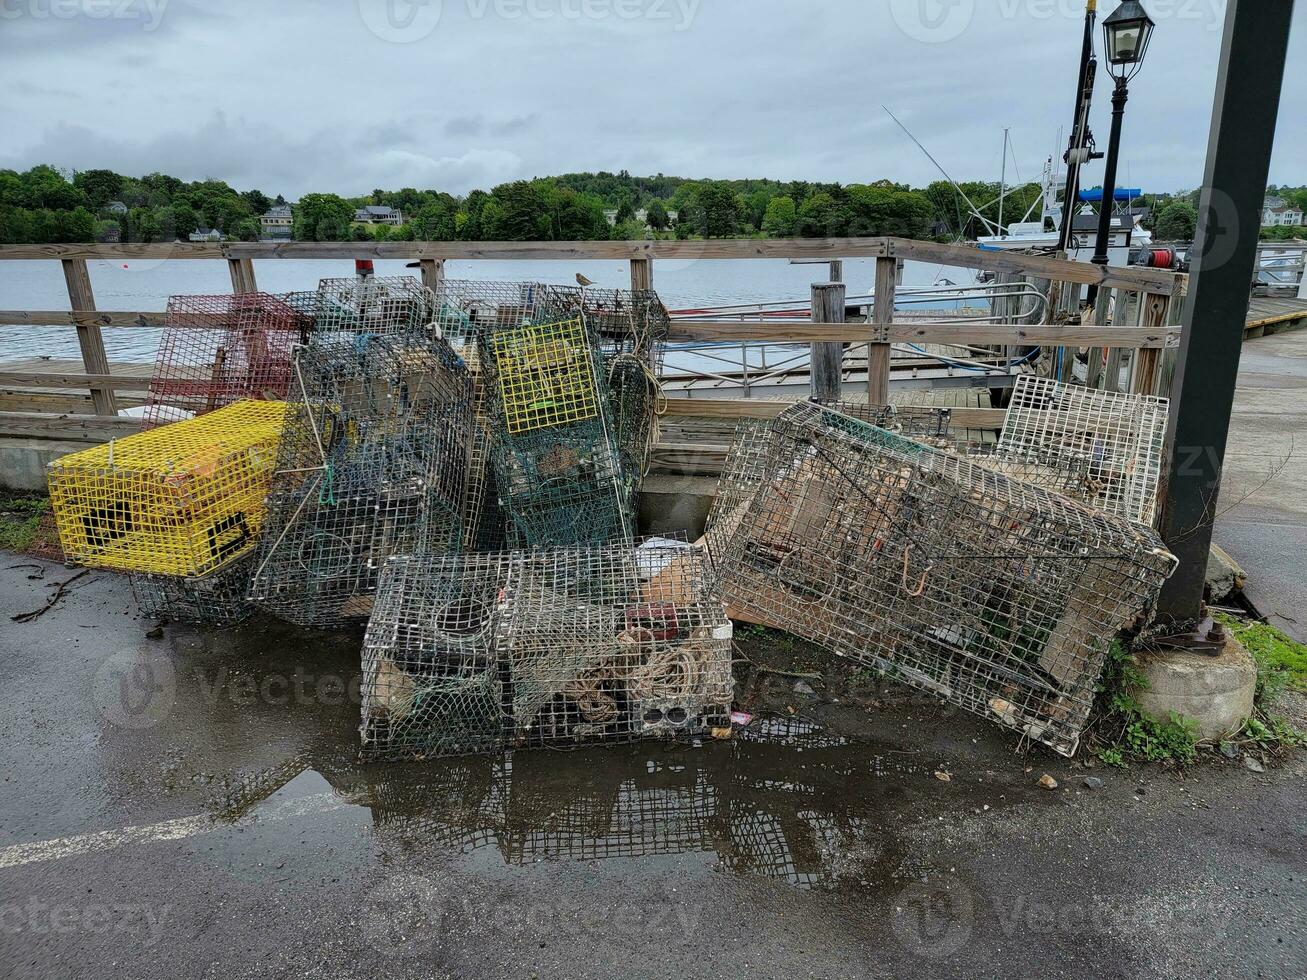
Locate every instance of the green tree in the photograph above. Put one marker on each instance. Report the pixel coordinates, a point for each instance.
(246, 230)
(435, 222)
(99, 186)
(258, 202)
(143, 226)
(781, 218)
(625, 211)
(656, 215)
(360, 233)
(322, 218)
(1176, 222)
(821, 216)
(718, 216)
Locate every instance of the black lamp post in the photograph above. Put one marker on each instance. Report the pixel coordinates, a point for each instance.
(1127, 33)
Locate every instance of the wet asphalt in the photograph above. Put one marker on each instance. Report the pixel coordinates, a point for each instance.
(192, 805)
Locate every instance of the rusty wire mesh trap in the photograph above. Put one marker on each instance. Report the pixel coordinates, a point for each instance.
(183, 499)
(997, 596)
(1116, 439)
(548, 648)
(379, 306)
(373, 463)
(217, 599)
(216, 350)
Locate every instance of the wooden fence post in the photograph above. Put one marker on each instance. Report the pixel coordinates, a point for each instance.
(882, 315)
(433, 273)
(1153, 309)
(641, 275)
(89, 338)
(242, 275)
(1102, 315)
(836, 270)
(827, 358)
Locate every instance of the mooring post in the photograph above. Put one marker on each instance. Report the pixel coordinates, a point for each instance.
(882, 315)
(1248, 84)
(827, 356)
(641, 275)
(89, 338)
(836, 270)
(432, 272)
(242, 275)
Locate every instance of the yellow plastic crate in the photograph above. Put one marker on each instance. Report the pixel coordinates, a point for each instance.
(184, 499)
(546, 376)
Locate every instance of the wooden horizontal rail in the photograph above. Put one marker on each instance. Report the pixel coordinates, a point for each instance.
(966, 256)
(758, 408)
(75, 428)
(36, 379)
(917, 331)
(82, 318)
(789, 332)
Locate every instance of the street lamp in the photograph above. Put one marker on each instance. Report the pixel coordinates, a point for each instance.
(1126, 34)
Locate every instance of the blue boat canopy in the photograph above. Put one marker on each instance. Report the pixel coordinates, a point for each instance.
(1121, 194)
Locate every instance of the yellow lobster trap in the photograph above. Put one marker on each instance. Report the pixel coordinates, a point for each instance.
(184, 499)
(546, 376)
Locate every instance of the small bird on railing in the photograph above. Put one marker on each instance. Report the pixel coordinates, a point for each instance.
(582, 281)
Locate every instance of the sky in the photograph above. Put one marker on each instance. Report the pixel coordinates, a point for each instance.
(292, 96)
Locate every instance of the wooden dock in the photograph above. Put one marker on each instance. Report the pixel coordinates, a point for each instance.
(1272, 314)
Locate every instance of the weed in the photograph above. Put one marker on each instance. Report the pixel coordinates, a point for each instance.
(1137, 736)
(20, 516)
(1281, 661)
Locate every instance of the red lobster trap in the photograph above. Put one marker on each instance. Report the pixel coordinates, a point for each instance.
(217, 350)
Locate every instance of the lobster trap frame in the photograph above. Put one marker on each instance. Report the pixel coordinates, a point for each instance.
(546, 649)
(183, 500)
(373, 464)
(994, 595)
(1116, 439)
(373, 306)
(217, 350)
(217, 599)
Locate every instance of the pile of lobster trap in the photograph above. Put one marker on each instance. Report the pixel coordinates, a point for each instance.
(459, 469)
(996, 595)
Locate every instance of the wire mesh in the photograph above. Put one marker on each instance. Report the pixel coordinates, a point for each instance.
(997, 596)
(373, 464)
(217, 599)
(378, 306)
(1119, 438)
(629, 330)
(558, 469)
(554, 649)
(216, 350)
(183, 499)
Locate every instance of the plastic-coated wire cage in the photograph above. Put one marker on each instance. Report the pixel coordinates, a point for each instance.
(553, 649)
(217, 599)
(997, 596)
(558, 469)
(629, 329)
(1119, 440)
(380, 306)
(217, 350)
(373, 464)
(183, 499)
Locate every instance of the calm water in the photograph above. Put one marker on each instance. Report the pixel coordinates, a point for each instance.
(146, 285)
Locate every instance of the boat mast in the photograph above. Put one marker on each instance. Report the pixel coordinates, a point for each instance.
(1002, 183)
(1082, 140)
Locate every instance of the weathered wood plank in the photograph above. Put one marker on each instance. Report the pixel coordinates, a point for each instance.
(89, 338)
(880, 352)
(37, 379)
(89, 318)
(917, 331)
(242, 276)
(827, 359)
(88, 428)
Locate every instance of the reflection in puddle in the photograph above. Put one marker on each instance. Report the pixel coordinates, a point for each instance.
(785, 801)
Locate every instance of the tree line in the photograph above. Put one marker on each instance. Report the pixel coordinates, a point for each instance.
(44, 205)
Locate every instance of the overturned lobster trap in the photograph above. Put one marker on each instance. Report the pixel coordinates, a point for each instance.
(995, 595)
(1105, 448)
(547, 648)
(216, 350)
(557, 466)
(183, 500)
(373, 463)
(217, 599)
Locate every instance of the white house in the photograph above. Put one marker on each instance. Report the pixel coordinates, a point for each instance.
(203, 234)
(1277, 212)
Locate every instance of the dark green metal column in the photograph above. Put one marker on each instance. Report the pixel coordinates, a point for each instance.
(1238, 161)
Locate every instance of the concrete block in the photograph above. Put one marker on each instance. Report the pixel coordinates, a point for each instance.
(1224, 576)
(23, 461)
(669, 504)
(1214, 692)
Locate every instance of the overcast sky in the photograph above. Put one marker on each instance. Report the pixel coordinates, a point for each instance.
(292, 96)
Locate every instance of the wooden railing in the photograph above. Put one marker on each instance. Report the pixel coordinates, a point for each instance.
(1147, 298)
